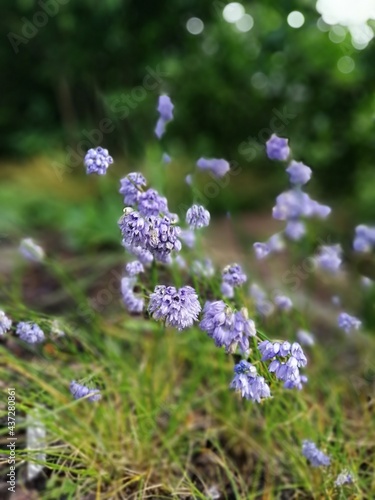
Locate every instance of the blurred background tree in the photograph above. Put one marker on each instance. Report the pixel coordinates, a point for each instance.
(69, 65)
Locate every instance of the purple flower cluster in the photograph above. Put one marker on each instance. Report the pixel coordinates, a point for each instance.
(364, 240)
(316, 457)
(165, 109)
(97, 161)
(197, 217)
(80, 391)
(5, 323)
(177, 308)
(156, 234)
(132, 301)
(249, 383)
(131, 188)
(30, 332)
(232, 276)
(299, 173)
(218, 167)
(226, 327)
(277, 148)
(329, 258)
(348, 323)
(285, 369)
(144, 256)
(293, 204)
(134, 268)
(150, 203)
(283, 302)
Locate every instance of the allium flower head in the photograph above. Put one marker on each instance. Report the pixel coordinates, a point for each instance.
(151, 203)
(277, 148)
(134, 228)
(80, 391)
(218, 167)
(5, 323)
(345, 477)
(30, 332)
(233, 275)
(316, 457)
(131, 186)
(329, 258)
(133, 302)
(97, 161)
(299, 173)
(197, 217)
(31, 251)
(295, 229)
(134, 268)
(165, 109)
(178, 308)
(348, 323)
(163, 238)
(248, 383)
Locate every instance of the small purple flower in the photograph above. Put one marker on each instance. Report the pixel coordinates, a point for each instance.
(261, 250)
(134, 268)
(131, 187)
(133, 302)
(217, 322)
(277, 148)
(299, 173)
(97, 161)
(292, 204)
(316, 457)
(30, 332)
(188, 237)
(364, 239)
(163, 238)
(345, 477)
(348, 323)
(5, 323)
(233, 275)
(166, 158)
(256, 292)
(180, 262)
(80, 391)
(31, 251)
(227, 290)
(249, 383)
(151, 203)
(178, 308)
(295, 229)
(329, 258)
(283, 302)
(189, 179)
(243, 328)
(218, 167)
(165, 109)
(197, 217)
(144, 256)
(305, 338)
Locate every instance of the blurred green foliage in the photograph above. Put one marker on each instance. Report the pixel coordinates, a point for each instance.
(89, 61)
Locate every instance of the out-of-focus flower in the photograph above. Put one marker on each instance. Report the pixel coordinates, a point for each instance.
(31, 251)
(295, 229)
(234, 275)
(305, 338)
(188, 237)
(197, 217)
(227, 290)
(345, 477)
(299, 173)
(144, 256)
(134, 268)
(218, 167)
(131, 187)
(97, 161)
(364, 240)
(165, 109)
(277, 148)
(178, 308)
(261, 250)
(5, 323)
(166, 158)
(273, 245)
(294, 204)
(204, 268)
(283, 302)
(329, 258)
(30, 332)
(80, 391)
(316, 457)
(189, 179)
(366, 282)
(348, 323)
(249, 383)
(133, 302)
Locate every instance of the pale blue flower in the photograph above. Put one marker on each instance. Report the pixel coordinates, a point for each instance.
(316, 457)
(97, 161)
(80, 391)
